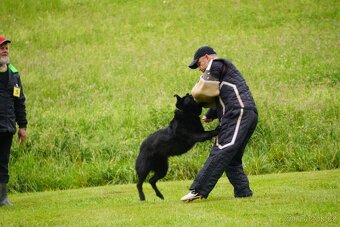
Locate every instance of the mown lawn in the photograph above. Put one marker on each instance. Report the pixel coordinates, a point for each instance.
(288, 199)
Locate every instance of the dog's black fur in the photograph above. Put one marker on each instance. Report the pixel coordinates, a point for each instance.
(180, 136)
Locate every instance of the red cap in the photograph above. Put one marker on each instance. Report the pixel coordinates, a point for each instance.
(3, 40)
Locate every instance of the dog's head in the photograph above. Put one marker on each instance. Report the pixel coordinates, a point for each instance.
(187, 104)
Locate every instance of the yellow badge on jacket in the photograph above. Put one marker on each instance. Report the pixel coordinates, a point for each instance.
(16, 91)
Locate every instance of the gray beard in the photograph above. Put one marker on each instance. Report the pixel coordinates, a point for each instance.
(4, 60)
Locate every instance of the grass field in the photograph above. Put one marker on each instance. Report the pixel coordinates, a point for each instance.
(100, 76)
(290, 199)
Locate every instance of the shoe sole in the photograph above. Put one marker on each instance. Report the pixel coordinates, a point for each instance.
(192, 199)
(243, 196)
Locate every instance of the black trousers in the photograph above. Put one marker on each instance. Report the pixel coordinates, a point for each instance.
(5, 148)
(237, 126)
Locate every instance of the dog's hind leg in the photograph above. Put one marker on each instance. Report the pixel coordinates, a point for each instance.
(140, 190)
(160, 173)
(141, 177)
(153, 181)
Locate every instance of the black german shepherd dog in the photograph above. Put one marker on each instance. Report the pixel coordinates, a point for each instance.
(180, 136)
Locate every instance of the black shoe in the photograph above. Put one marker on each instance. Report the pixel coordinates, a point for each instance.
(243, 194)
(3, 195)
(5, 202)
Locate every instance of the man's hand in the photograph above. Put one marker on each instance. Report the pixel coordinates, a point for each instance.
(22, 135)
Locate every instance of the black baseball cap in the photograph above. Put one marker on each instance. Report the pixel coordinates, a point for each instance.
(203, 50)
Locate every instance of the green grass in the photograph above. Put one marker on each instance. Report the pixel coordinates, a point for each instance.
(290, 199)
(100, 77)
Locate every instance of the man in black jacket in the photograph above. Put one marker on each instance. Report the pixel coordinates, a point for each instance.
(12, 111)
(236, 110)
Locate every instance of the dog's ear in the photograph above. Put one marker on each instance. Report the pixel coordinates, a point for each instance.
(179, 102)
(178, 97)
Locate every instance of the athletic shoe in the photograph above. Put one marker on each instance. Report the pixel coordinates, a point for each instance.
(192, 195)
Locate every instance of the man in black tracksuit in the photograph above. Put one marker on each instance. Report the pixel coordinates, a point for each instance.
(12, 111)
(237, 114)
